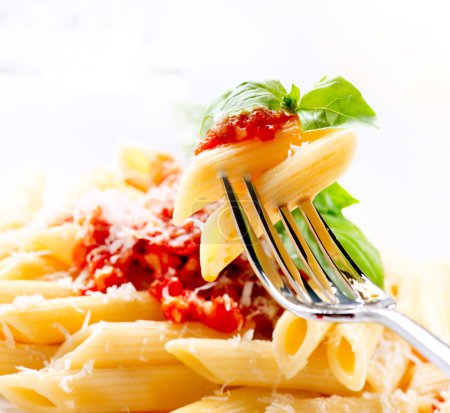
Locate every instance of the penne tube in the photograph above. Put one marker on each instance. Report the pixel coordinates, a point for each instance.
(11, 241)
(135, 343)
(10, 289)
(294, 340)
(23, 355)
(429, 383)
(423, 295)
(369, 403)
(40, 321)
(142, 166)
(199, 185)
(22, 201)
(242, 400)
(389, 362)
(246, 399)
(350, 347)
(134, 389)
(311, 168)
(58, 242)
(28, 266)
(251, 363)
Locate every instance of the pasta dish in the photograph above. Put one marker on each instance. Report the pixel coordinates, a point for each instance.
(132, 293)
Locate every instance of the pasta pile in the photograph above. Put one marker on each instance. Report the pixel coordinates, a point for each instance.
(61, 351)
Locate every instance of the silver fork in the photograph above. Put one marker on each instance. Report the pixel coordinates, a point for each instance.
(344, 295)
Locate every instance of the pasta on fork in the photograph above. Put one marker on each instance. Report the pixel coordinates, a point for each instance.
(134, 294)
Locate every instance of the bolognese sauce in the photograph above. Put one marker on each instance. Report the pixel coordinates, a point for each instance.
(136, 242)
(261, 123)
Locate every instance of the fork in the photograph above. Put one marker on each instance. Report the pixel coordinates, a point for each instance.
(345, 294)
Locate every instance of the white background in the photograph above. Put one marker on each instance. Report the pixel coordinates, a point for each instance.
(78, 76)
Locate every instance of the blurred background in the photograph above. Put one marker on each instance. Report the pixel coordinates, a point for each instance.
(76, 77)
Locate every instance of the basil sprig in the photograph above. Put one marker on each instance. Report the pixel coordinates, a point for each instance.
(331, 103)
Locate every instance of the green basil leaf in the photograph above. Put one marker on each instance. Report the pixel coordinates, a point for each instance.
(246, 96)
(330, 203)
(334, 103)
(365, 255)
(291, 101)
(333, 199)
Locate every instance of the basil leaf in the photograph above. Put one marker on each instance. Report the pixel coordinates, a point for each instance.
(292, 100)
(365, 255)
(330, 203)
(333, 199)
(332, 103)
(246, 96)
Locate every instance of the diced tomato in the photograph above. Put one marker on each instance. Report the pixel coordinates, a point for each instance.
(261, 123)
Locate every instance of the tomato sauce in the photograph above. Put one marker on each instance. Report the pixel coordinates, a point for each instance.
(260, 124)
(164, 259)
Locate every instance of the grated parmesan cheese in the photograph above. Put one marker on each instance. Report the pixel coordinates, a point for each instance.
(205, 287)
(126, 292)
(246, 297)
(248, 335)
(23, 302)
(227, 301)
(66, 383)
(61, 277)
(62, 330)
(86, 321)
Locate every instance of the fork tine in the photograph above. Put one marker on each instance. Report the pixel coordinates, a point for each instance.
(364, 286)
(328, 248)
(257, 257)
(307, 257)
(279, 251)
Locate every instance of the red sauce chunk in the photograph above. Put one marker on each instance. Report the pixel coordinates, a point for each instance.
(137, 242)
(260, 124)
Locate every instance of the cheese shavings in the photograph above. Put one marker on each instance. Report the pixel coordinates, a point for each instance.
(66, 383)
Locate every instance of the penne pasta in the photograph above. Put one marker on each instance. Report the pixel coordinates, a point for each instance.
(311, 168)
(199, 185)
(369, 403)
(242, 400)
(251, 363)
(257, 400)
(6, 407)
(134, 389)
(22, 201)
(389, 363)
(443, 406)
(423, 295)
(13, 355)
(113, 344)
(350, 347)
(11, 241)
(294, 340)
(28, 266)
(429, 383)
(65, 348)
(141, 166)
(40, 321)
(58, 242)
(10, 289)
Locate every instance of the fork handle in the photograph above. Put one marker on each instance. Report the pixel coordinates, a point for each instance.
(426, 343)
